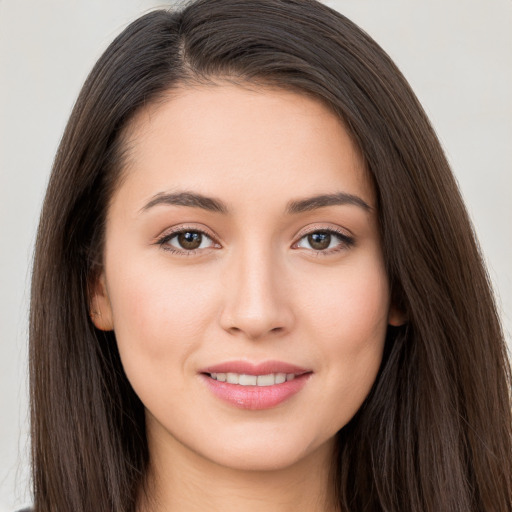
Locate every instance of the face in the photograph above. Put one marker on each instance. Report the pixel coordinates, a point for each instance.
(243, 275)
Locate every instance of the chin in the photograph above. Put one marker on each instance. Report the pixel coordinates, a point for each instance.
(267, 454)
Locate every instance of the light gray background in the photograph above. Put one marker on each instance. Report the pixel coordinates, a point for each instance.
(455, 53)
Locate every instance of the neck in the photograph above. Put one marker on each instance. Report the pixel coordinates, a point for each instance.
(180, 480)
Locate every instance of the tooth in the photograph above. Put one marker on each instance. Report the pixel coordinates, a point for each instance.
(266, 380)
(281, 377)
(253, 380)
(247, 380)
(232, 378)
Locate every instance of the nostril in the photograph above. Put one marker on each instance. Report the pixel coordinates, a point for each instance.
(256, 319)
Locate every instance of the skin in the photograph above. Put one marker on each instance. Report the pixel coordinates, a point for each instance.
(255, 290)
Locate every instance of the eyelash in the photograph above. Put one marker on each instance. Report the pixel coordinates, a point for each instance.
(165, 239)
(345, 241)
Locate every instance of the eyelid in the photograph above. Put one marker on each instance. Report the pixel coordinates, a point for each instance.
(319, 226)
(346, 237)
(169, 233)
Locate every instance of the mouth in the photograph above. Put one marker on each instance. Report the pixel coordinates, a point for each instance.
(242, 379)
(255, 386)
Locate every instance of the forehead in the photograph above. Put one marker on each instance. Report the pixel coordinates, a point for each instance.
(226, 138)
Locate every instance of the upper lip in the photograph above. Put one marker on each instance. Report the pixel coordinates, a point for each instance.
(248, 368)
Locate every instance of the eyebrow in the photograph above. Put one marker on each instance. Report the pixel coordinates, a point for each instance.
(190, 199)
(195, 200)
(323, 200)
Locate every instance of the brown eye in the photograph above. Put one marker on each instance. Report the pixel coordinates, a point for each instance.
(325, 241)
(188, 240)
(320, 240)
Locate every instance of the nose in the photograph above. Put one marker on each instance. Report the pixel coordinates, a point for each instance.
(256, 303)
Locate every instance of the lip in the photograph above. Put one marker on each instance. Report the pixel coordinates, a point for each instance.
(255, 397)
(263, 368)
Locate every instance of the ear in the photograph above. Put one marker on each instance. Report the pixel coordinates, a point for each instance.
(396, 317)
(100, 307)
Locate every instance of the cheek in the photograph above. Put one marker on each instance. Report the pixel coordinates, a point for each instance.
(351, 304)
(159, 316)
(350, 322)
(360, 322)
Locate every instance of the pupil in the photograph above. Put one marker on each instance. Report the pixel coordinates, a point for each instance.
(319, 240)
(190, 240)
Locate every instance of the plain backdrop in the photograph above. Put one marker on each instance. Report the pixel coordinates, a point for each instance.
(455, 53)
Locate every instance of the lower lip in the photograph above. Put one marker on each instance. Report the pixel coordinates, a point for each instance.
(256, 397)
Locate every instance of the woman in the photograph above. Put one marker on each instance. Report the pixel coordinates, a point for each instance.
(256, 285)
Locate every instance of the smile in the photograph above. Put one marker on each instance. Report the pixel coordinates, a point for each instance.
(246, 385)
(243, 379)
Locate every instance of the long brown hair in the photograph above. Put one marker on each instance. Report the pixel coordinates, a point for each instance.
(435, 433)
